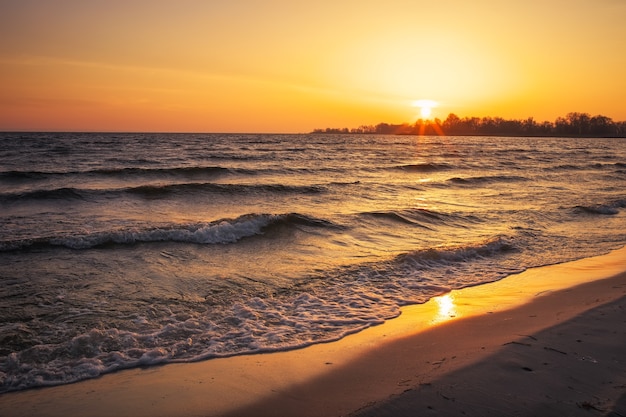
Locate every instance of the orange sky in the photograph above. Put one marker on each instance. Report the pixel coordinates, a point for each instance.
(287, 66)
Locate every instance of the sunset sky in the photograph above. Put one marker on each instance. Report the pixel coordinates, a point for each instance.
(292, 66)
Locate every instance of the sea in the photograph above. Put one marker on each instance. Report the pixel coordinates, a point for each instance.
(130, 250)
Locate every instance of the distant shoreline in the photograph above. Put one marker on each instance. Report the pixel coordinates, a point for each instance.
(571, 125)
(472, 135)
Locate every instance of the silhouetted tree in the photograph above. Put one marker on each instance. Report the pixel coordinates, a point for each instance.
(601, 126)
(579, 123)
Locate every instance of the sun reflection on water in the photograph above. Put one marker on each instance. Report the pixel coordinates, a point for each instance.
(446, 308)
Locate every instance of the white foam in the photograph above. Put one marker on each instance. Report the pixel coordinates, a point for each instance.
(225, 231)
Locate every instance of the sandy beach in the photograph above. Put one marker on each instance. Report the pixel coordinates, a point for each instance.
(548, 341)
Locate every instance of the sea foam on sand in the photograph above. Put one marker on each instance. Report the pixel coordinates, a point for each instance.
(548, 341)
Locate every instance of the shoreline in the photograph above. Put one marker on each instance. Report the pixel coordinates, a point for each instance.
(448, 335)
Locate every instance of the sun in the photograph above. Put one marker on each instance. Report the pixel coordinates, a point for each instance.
(426, 107)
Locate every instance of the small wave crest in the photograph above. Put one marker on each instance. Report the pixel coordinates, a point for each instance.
(154, 191)
(415, 217)
(486, 179)
(182, 171)
(423, 167)
(65, 193)
(120, 172)
(586, 166)
(9, 176)
(601, 209)
(489, 248)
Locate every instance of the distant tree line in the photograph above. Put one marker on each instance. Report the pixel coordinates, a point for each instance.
(572, 125)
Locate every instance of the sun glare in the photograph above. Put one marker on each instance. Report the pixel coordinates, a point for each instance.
(446, 308)
(426, 107)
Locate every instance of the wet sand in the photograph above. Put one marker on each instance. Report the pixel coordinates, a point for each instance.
(549, 341)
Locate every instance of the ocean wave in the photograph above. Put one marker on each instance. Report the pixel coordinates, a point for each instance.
(207, 171)
(583, 167)
(418, 217)
(223, 231)
(177, 171)
(157, 191)
(566, 167)
(64, 193)
(25, 175)
(153, 191)
(488, 248)
(424, 167)
(481, 180)
(601, 209)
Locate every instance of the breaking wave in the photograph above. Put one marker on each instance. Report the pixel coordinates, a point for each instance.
(223, 231)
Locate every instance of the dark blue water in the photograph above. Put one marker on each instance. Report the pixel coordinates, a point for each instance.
(124, 250)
